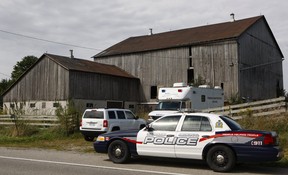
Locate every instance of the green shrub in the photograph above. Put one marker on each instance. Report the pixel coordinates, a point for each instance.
(69, 118)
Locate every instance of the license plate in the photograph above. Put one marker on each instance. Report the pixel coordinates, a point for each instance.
(92, 123)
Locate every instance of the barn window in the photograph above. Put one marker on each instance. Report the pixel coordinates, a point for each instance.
(190, 57)
(153, 92)
(89, 105)
(43, 105)
(12, 105)
(21, 105)
(32, 105)
(56, 105)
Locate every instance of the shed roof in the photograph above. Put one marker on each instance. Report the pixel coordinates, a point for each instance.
(180, 38)
(77, 64)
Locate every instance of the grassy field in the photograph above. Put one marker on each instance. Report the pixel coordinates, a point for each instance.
(55, 138)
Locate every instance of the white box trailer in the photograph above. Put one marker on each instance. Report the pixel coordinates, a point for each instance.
(181, 97)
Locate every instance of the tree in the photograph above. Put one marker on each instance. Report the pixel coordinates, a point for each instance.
(4, 84)
(22, 66)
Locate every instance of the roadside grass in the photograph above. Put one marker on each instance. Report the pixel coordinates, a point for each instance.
(46, 139)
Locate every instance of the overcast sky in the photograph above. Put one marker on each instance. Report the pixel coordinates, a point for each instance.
(95, 25)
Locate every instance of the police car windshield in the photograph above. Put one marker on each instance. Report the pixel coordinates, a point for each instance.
(233, 125)
(168, 105)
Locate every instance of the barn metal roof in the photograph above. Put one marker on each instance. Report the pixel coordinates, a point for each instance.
(77, 64)
(180, 38)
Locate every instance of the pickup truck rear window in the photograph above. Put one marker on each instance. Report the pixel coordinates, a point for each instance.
(94, 114)
(233, 125)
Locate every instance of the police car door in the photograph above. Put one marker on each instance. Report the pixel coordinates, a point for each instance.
(159, 139)
(190, 133)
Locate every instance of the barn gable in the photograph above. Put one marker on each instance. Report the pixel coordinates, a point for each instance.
(219, 53)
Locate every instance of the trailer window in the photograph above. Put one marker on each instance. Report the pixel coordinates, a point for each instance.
(168, 106)
(203, 98)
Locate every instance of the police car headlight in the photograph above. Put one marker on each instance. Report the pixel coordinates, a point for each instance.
(101, 139)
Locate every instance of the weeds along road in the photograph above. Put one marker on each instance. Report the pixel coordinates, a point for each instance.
(14, 161)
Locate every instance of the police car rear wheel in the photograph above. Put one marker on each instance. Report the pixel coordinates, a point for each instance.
(221, 158)
(118, 152)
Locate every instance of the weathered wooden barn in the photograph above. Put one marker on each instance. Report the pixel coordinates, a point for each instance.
(55, 80)
(241, 56)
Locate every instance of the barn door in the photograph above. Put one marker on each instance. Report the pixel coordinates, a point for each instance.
(114, 104)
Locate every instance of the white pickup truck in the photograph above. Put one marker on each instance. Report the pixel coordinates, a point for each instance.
(97, 121)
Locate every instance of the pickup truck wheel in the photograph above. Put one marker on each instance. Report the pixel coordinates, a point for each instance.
(115, 129)
(118, 152)
(221, 158)
(88, 138)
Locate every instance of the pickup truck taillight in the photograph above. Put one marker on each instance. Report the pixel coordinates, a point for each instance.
(80, 122)
(105, 123)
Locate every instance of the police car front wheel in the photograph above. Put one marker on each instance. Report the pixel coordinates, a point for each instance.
(221, 158)
(118, 152)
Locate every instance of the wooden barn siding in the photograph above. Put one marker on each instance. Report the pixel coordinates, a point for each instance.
(45, 81)
(259, 83)
(103, 87)
(214, 62)
(155, 68)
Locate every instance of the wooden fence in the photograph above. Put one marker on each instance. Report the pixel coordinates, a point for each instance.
(42, 121)
(258, 108)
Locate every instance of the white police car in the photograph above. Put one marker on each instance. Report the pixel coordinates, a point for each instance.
(216, 139)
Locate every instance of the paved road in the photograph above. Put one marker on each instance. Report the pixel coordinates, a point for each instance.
(45, 162)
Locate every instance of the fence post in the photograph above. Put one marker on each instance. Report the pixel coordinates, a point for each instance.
(286, 103)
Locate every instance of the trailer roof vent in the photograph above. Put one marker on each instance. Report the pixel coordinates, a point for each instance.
(182, 84)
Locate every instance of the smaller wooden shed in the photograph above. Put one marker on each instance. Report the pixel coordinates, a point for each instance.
(55, 79)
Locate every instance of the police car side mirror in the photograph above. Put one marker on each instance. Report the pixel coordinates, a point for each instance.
(148, 128)
(136, 117)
